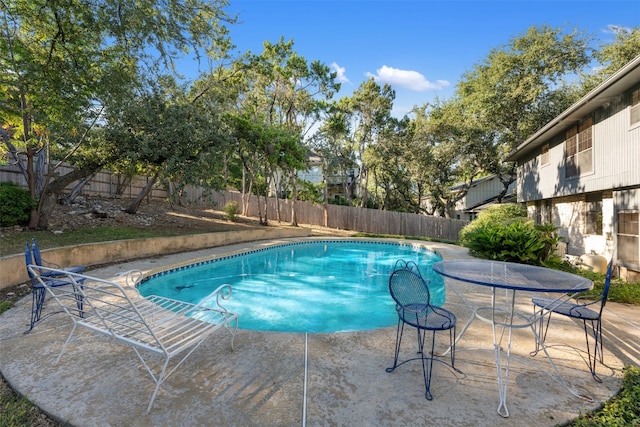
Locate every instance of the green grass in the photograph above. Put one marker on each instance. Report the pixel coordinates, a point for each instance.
(619, 291)
(621, 411)
(14, 243)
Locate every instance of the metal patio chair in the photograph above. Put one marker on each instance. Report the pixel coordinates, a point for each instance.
(154, 327)
(577, 308)
(413, 304)
(37, 258)
(39, 292)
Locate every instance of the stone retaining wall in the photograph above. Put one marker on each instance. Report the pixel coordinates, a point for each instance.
(13, 270)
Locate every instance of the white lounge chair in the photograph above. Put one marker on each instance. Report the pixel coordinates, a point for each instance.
(161, 326)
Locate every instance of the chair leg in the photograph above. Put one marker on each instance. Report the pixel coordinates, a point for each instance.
(426, 373)
(540, 332)
(399, 331)
(452, 346)
(597, 347)
(38, 295)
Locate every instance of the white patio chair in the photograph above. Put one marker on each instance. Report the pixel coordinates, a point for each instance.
(151, 326)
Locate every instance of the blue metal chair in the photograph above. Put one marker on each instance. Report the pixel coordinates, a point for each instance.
(39, 292)
(590, 311)
(37, 258)
(413, 305)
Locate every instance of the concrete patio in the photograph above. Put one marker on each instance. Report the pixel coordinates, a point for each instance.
(283, 379)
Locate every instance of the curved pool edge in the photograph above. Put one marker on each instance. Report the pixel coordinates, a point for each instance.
(274, 243)
(13, 271)
(157, 276)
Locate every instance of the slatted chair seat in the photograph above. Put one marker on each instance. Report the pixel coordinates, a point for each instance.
(155, 325)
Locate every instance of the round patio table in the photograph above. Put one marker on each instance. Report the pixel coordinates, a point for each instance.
(512, 278)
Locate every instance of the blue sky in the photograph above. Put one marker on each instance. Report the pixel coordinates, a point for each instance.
(420, 47)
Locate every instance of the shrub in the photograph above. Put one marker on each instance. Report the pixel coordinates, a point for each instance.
(503, 233)
(495, 214)
(231, 211)
(15, 205)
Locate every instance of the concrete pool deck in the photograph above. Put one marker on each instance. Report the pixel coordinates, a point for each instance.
(287, 379)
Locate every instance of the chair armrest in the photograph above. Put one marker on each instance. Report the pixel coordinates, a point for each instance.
(223, 292)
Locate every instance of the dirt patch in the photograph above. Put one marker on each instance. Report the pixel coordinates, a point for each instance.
(154, 214)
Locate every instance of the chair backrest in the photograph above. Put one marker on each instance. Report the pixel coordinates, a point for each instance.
(607, 283)
(28, 259)
(37, 258)
(407, 286)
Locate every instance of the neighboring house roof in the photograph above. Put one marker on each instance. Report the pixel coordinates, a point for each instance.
(481, 204)
(475, 182)
(624, 79)
(508, 198)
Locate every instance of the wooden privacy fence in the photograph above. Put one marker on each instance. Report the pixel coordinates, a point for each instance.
(110, 184)
(341, 217)
(104, 183)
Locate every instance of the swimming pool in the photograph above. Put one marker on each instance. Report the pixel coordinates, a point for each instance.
(312, 286)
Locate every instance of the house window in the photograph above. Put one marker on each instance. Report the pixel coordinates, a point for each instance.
(593, 218)
(544, 156)
(578, 149)
(628, 237)
(634, 111)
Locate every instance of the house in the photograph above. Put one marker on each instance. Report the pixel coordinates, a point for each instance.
(581, 172)
(482, 193)
(314, 174)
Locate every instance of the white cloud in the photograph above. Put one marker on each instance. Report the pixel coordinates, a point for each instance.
(615, 29)
(407, 79)
(342, 78)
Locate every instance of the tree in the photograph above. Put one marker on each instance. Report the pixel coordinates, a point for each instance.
(371, 107)
(520, 87)
(164, 135)
(332, 143)
(283, 95)
(64, 64)
(612, 57)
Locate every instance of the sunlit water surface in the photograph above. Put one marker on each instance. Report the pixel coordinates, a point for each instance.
(328, 286)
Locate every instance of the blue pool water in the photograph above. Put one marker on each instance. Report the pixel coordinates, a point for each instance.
(327, 286)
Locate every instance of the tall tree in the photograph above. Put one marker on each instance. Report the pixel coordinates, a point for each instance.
(613, 56)
(521, 86)
(371, 105)
(284, 92)
(64, 62)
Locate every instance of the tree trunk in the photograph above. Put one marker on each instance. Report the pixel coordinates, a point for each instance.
(50, 193)
(294, 197)
(122, 185)
(133, 207)
(77, 189)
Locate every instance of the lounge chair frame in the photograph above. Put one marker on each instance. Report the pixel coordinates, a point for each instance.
(152, 326)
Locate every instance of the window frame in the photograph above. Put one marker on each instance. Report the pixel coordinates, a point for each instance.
(628, 230)
(634, 108)
(579, 145)
(544, 155)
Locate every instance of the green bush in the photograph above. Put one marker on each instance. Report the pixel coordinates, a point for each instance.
(503, 233)
(15, 205)
(500, 214)
(231, 211)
